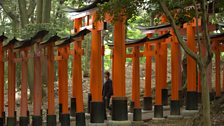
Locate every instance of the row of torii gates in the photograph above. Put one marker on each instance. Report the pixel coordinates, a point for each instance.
(19, 51)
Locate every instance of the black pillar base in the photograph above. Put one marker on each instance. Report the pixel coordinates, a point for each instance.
(158, 111)
(51, 120)
(212, 96)
(1, 121)
(175, 107)
(181, 98)
(36, 121)
(137, 114)
(65, 119)
(119, 109)
(80, 119)
(28, 115)
(192, 101)
(165, 97)
(23, 121)
(60, 112)
(147, 103)
(73, 107)
(97, 112)
(89, 102)
(132, 104)
(11, 121)
(3, 115)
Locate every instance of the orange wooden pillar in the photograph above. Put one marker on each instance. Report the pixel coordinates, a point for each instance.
(191, 100)
(175, 77)
(158, 108)
(11, 120)
(217, 75)
(97, 111)
(77, 77)
(119, 100)
(164, 74)
(2, 118)
(51, 117)
(137, 115)
(147, 100)
(24, 119)
(63, 75)
(37, 98)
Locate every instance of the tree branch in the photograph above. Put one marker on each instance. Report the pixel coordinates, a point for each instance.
(31, 8)
(206, 34)
(180, 39)
(12, 15)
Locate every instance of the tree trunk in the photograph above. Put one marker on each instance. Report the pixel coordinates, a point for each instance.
(23, 13)
(39, 10)
(205, 97)
(46, 11)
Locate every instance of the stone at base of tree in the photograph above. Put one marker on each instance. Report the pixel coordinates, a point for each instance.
(119, 109)
(73, 107)
(23, 121)
(158, 111)
(137, 114)
(80, 119)
(65, 119)
(131, 108)
(165, 97)
(175, 117)
(175, 107)
(147, 103)
(51, 120)
(36, 120)
(97, 112)
(137, 123)
(192, 100)
(119, 123)
(189, 112)
(11, 121)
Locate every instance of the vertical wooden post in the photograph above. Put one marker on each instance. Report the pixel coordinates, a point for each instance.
(163, 76)
(158, 108)
(51, 117)
(97, 111)
(24, 99)
(119, 101)
(217, 77)
(136, 84)
(191, 100)
(77, 77)
(11, 120)
(60, 67)
(1, 83)
(37, 103)
(175, 66)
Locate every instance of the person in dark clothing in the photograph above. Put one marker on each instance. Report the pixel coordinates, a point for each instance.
(107, 91)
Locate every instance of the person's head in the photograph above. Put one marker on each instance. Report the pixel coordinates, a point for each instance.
(106, 75)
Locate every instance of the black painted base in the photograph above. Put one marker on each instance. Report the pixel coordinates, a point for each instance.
(158, 111)
(3, 115)
(51, 120)
(89, 102)
(80, 119)
(23, 121)
(212, 96)
(1, 121)
(97, 112)
(147, 103)
(36, 121)
(28, 115)
(65, 119)
(174, 107)
(192, 101)
(73, 107)
(199, 97)
(137, 114)
(119, 109)
(181, 98)
(11, 121)
(60, 111)
(165, 97)
(131, 108)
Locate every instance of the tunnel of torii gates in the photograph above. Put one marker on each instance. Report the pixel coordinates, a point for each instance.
(58, 50)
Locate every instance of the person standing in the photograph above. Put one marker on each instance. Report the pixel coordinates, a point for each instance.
(107, 91)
